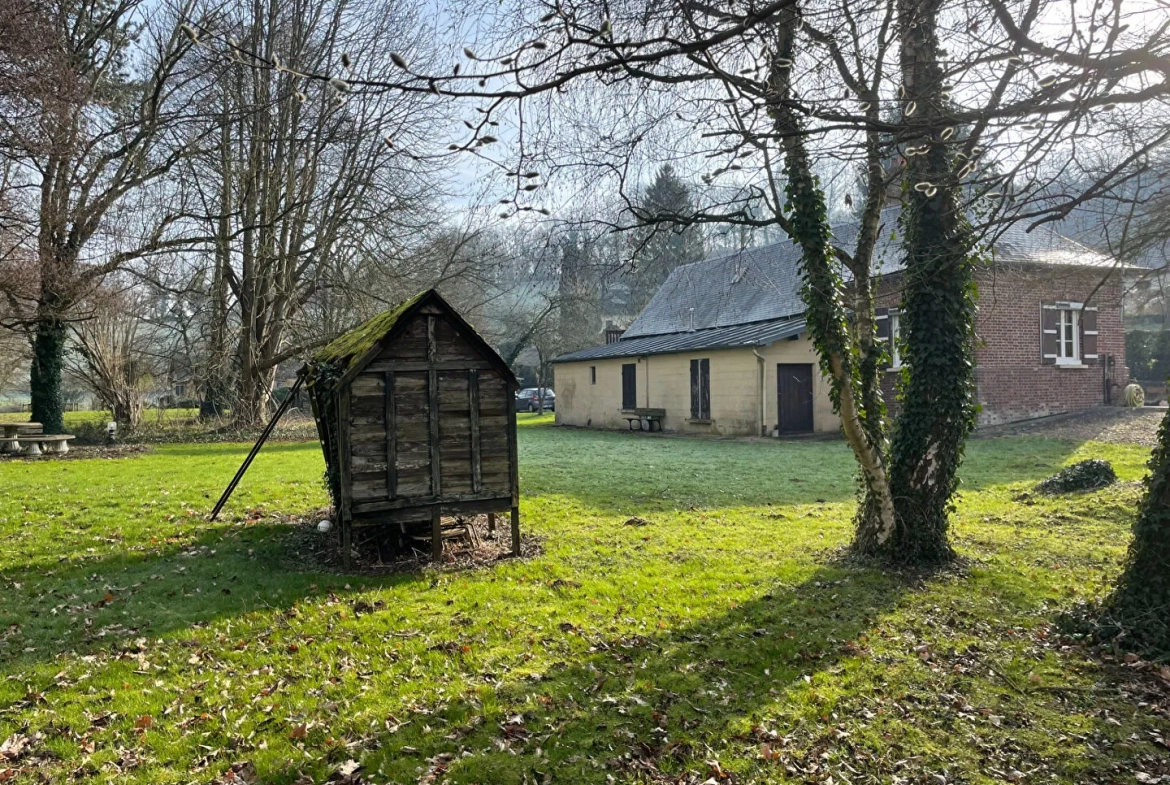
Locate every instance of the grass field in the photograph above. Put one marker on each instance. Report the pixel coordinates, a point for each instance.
(76, 419)
(140, 643)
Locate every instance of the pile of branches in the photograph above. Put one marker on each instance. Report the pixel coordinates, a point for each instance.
(1084, 476)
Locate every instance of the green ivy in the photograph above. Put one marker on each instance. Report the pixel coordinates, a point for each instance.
(48, 407)
(938, 385)
(1139, 609)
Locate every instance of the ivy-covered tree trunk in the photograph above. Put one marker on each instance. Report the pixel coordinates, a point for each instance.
(48, 358)
(1139, 607)
(938, 310)
(823, 289)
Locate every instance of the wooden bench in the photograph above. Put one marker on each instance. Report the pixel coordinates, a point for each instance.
(51, 443)
(12, 433)
(646, 418)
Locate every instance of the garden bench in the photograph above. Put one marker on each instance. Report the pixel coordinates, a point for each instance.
(12, 433)
(51, 443)
(646, 418)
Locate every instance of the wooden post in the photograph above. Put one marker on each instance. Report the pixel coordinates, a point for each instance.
(344, 476)
(491, 523)
(436, 534)
(391, 438)
(247, 461)
(514, 474)
(433, 432)
(473, 409)
(433, 410)
(515, 531)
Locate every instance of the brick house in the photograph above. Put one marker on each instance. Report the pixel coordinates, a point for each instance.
(722, 349)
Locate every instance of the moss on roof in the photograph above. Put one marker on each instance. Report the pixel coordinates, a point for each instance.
(347, 349)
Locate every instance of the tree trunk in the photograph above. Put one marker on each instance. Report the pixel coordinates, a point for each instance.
(823, 288)
(48, 406)
(938, 312)
(1139, 607)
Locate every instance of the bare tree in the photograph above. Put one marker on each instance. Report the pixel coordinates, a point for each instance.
(115, 351)
(106, 118)
(301, 186)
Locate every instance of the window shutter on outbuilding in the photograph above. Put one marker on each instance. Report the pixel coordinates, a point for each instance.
(882, 321)
(696, 393)
(1089, 354)
(700, 389)
(1049, 320)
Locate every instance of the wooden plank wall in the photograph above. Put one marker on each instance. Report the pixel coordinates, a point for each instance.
(449, 414)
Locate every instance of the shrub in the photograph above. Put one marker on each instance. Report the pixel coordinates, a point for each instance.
(1147, 353)
(1084, 476)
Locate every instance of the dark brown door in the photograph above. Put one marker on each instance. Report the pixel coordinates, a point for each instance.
(794, 399)
(629, 386)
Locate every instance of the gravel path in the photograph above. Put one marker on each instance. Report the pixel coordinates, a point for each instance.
(1106, 424)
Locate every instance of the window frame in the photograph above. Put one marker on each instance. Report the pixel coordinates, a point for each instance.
(593, 374)
(701, 390)
(895, 317)
(1068, 320)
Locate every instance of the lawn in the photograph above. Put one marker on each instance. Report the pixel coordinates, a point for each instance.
(79, 418)
(723, 639)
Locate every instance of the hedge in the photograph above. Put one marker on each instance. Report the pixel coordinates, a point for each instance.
(1147, 353)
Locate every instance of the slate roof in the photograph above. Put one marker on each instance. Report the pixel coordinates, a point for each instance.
(731, 337)
(762, 284)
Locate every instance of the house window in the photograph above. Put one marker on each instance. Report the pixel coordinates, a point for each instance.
(630, 386)
(889, 329)
(895, 339)
(1067, 337)
(593, 374)
(700, 389)
(1068, 334)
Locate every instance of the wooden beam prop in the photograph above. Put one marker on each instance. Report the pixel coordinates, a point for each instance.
(256, 447)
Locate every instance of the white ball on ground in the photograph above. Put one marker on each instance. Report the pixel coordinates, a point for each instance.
(324, 526)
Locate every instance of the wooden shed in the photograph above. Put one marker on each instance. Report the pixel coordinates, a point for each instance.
(417, 420)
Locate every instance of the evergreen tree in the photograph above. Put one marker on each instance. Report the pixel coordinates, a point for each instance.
(580, 307)
(667, 241)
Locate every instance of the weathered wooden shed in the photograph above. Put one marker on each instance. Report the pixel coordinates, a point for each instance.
(417, 420)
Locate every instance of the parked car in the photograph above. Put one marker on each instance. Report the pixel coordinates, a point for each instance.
(528, 400)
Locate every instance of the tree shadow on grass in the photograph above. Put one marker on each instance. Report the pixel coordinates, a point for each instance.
(85, 604)
(650, 707)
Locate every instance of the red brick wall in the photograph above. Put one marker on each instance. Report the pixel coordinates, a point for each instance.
(1011, 383)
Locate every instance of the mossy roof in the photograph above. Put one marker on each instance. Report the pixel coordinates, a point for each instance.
(347, 349)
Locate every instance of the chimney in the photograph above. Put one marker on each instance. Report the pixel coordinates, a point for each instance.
(613, 334)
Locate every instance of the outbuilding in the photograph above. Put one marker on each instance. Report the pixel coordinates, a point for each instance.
(417, 422)
(722, 348)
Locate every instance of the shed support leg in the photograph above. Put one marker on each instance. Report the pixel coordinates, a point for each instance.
(491, 523)
(515, 531)
(346, 543)
(436, 535)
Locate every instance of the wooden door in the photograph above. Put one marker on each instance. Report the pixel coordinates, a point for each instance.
(794, 397)
(629, 386)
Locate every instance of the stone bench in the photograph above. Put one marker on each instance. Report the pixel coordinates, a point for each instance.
(646, 418)
(51, 443)
(12, 432)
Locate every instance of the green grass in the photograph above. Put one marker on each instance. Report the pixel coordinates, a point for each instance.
(74, 419)
(149, 645)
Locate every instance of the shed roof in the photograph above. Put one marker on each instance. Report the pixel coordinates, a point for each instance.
(732, 337)
(349, 347)
(347, 354)
(763, 283)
